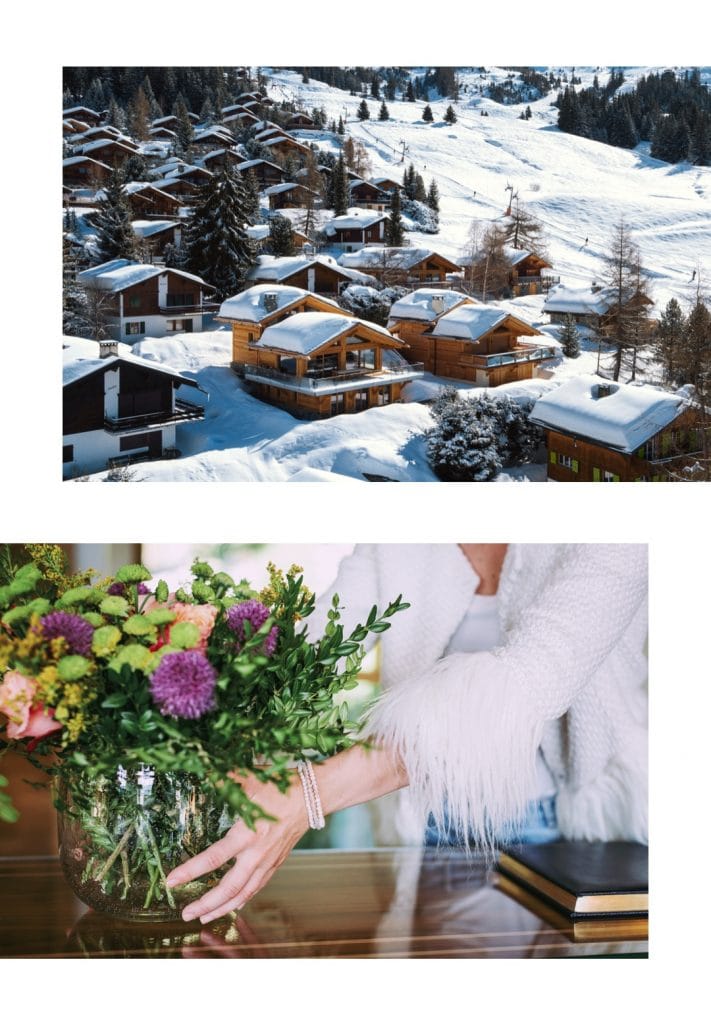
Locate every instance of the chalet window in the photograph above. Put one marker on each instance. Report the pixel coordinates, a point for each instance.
(68, 453)
(610, 478)
(338, 404)
(384, 395)
(127, 444)
(361, 400)
(134, 301)
(180, 299)
(136, 327)
(176, 325)
(567, 461)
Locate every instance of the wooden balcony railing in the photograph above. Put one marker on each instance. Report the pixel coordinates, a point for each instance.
(183, 411)
(317, 380)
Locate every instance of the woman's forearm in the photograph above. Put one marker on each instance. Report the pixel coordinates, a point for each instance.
(357, 775)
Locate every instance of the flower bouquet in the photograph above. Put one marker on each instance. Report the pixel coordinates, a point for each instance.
(148, 709)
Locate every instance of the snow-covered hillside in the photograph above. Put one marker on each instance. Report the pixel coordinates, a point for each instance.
(577, 188)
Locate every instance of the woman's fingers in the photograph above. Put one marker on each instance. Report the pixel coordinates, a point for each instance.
(250, 889)
(209, 860)
(226, 889)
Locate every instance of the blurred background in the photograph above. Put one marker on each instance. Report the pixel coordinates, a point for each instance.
(35, 831)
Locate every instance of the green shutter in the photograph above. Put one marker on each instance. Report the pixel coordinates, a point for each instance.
(666, 443)
(615, 478)
(553, 457)
(596, 474)
(640, 452)
(575, 465)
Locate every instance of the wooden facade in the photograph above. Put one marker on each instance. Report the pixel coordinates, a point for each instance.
(293, 195)
(368, 196)
(152, 202)
(313, 277)
(83, 172)
(580, 459)
(359, 236)
(112, 152)
(526, 278)
(431, 269)
(265, 172)
(495, 358)
(345, 375)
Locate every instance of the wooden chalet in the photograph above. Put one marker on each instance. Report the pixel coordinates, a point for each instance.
(300, 121)
(600, 431)
(368, 196)
(400, 265)
(526, 277)
(217, 159)
(143, 299)
(147, 201)
(313, 273)
(265, 172)
(250, 312)
(290, 193)
(70, 126)
(85, 114)
(387, 184)
(318, 365)
(154, 235)
(469, 341)
(102, 131)
(170, 121)
(122, 409)
(596, 308)
(212, 138)
(353, 230)
(84, 172)
(109, 151)
(162, 133)
(284, 146)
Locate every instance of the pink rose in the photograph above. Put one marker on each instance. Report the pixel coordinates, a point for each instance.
(201, 615)
(25, 719)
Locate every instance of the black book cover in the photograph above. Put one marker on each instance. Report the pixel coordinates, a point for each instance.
(583, 877)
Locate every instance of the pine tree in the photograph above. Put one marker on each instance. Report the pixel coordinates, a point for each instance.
(135, 168)
(669, 340)
(252, 211)
(449, 116)
(408, 181)
(117, 116)
(183, 129)
(695, 362)
(384, 113)
(341, 129)
(363, 111)
(462, 444)
(419, 190)
(569, 338)
(394, 230)
(375, 88)
(410, 92)
(427, 114)
(701, 141)
(529, 115)
(114, 234)
(433, 196)
(281, 236)
(219, 249)
(339, 192)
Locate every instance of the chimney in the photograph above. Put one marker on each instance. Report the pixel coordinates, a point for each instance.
(271, 301)
(438, 304)
(108, 348)
(594, 287)
(604, 391)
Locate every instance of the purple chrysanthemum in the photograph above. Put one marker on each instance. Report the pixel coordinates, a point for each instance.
(119, 589)
(73, 628)
(183, 685)
(256, 614)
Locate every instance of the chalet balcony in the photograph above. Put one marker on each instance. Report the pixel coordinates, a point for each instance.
(183, 411)
(128, 460)
(205, 307)
(517, 355)
(327, 380)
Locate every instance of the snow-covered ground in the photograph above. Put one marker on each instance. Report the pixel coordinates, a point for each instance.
(579, 189)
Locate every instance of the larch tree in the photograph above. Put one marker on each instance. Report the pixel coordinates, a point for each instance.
(491, 268)
(139, 115)
(525, 231)
(623, 274)
(696, 348)
(115, 238)
(219, 248)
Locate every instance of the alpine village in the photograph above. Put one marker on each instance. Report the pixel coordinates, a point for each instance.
(387, 274)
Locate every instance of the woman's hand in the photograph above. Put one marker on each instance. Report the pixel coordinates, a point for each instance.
(258, 853)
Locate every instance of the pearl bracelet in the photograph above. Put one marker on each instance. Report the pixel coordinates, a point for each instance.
(314, 811)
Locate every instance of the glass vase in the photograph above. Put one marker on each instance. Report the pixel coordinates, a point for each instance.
(120, 835)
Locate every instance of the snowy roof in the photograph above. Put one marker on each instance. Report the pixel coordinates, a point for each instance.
(70, 160)
(115, 275)
(146, 228)
(623, 419)
(89, 147)
(250, 305)
(161, 128)
(173, 168)
(426, 304)
(381, 256)
(473, 322)
(276, 268)
(355, 218)
(221, 133)
(68, 111)
(577, 300)
(77, 367)
(286, 186)
(246, 164)
(354, 182)
(304, 333)
(257, 231)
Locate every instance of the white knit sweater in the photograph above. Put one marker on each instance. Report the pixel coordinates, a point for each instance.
(570, 677)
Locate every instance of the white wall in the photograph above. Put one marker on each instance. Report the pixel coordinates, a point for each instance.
(93, 448)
